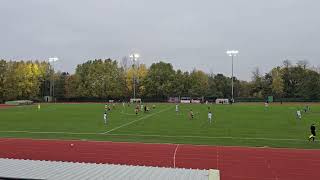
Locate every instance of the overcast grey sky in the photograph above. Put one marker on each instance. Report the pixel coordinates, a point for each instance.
(187, 33)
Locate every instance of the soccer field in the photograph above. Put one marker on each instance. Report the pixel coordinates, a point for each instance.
(248, 124)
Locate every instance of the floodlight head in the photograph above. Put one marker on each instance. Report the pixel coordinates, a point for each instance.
(232, 52)
(134, 56)
(53, 59)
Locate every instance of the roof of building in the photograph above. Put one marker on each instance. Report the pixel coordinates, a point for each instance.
(30, 169)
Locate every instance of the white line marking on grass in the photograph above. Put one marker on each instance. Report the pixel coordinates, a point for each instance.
(130, 114)
(174, 156)
(155, 135)
(209, 137)
(144, 117)
(51, 132)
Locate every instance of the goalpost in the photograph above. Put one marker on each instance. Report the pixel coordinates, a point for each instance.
(222, 101)
(135, 100)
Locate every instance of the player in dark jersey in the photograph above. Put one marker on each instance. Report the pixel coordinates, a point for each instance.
(313, 132)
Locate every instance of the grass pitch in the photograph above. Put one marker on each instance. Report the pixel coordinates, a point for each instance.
(233, 125)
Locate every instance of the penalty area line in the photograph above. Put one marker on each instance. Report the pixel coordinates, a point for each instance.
(127, 124)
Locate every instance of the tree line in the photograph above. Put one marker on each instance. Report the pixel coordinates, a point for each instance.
(109, 79)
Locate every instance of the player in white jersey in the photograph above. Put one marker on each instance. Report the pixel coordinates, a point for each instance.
(210, 117)
(299, 114)
(105, 118)
(177, 108)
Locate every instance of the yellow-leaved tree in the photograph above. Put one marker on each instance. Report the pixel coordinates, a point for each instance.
(137, 73)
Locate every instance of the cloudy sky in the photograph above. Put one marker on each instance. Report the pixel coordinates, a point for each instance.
(187, 33)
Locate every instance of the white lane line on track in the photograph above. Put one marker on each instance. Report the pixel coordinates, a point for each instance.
(144, 117)
(217, 157)
(174, 156)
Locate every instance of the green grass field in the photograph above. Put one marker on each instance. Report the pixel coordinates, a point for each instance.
(234, 125)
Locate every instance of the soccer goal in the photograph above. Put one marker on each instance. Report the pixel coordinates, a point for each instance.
(185, 100)
(222, 101)
(135, 100)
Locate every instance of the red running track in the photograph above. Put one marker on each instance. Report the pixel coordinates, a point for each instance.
(234, 163)
(5, 106)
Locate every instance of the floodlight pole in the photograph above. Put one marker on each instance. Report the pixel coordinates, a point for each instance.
(53, 60)
(134, 57)
(232, 80)
(53, 82)
(232, 53)
(134, 77)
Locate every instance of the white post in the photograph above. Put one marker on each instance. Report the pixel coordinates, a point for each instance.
(134, 57)
(53, 82)
(232, 53)
(54, 59)
(134, 77)
(232, 81)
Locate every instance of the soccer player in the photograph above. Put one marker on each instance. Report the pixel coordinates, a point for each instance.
(299, 114)
(177, 108)
(153, 106)
(39, 107)
(306, 108)
(191, 115)
(105, 118)
(313, 132)
(141, 107)
(210, 117)
(145, 108)
(136, 110)
(107, 107)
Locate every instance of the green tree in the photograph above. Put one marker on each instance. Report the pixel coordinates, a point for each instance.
(212, 87)
(199, 84)
(310, 87)
(3, 72)
(277, 82)
(223, 86)
(179, 84)
(60, 84)
(257, 84)
(71, 86)
(159, 80)
(100, 78)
